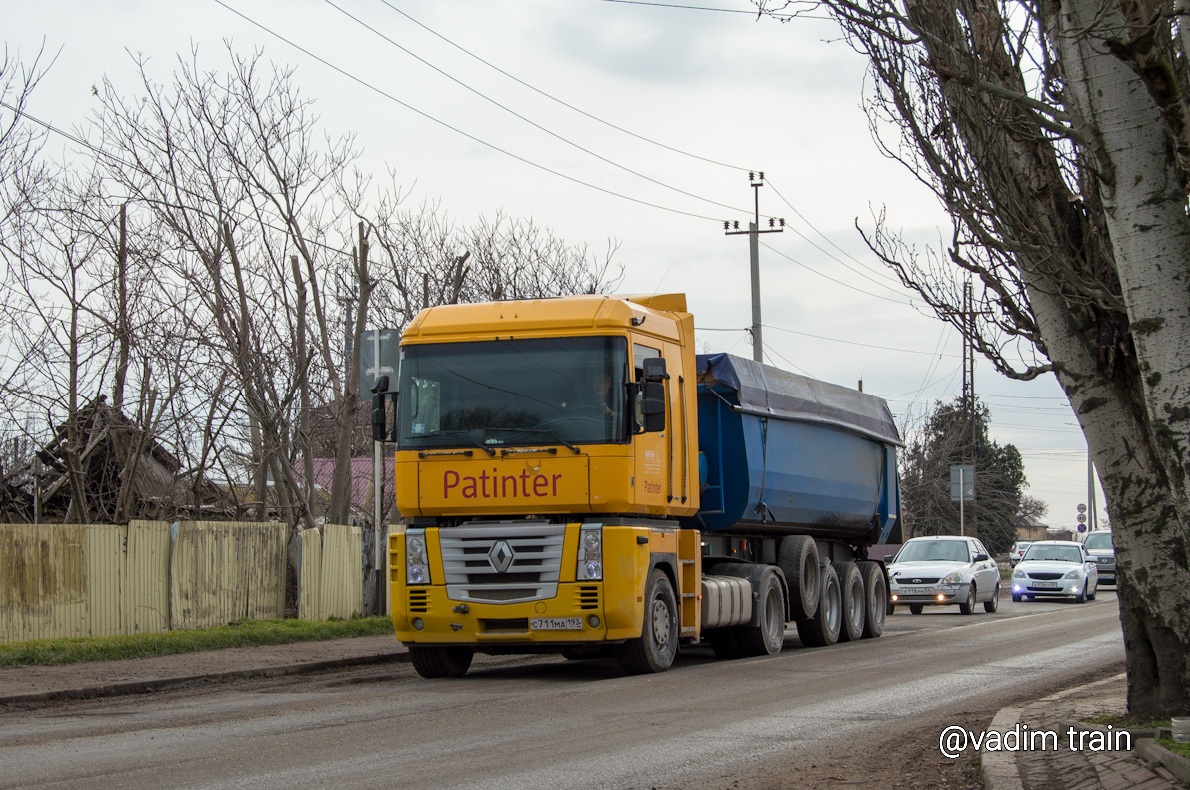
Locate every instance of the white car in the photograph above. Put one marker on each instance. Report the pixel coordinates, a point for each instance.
(942, 571)
(1056, 569)
(1017, 551)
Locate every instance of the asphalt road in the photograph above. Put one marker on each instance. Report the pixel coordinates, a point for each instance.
(804, 718)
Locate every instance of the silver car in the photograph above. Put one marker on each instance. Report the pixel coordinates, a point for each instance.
(942, 571)
(1056, 569)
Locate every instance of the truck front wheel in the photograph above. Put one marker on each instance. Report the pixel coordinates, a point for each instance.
(440, 661)
(657, 645)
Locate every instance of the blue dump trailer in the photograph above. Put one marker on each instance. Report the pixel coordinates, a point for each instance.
(800, 476)
(784, 454)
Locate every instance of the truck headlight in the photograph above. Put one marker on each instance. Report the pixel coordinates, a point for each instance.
(590, 554)
(417, 564)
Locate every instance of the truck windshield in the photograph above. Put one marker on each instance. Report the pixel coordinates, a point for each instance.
(501, 393)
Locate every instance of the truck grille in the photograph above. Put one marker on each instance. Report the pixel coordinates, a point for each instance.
(502, 561)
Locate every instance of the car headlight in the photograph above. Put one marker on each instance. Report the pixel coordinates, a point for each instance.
(1077, 573)
(590, 554)
(953, 578)
(417, 564)
(1019, 573)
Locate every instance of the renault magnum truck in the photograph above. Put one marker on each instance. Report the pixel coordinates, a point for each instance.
(573, 479)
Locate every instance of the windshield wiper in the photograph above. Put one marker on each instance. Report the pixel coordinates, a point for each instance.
(466, 434)
(553, 436)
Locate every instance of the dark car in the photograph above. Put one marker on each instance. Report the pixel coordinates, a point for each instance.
(1099, 545)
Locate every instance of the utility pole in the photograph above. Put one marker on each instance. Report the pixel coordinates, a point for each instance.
(967, 317)
(754, 231)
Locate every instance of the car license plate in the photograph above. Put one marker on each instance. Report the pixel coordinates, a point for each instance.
(1046, 585)
(556, 623)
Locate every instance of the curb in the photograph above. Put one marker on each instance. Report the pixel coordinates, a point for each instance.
(998, 768)
(1156, 754)
(159, 684)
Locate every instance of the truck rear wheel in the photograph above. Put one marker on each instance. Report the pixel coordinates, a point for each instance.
(441, 661)
(767, 637)
(823, 629)
(877, 598)
(851, 584)
(797, 557)
(655, 648)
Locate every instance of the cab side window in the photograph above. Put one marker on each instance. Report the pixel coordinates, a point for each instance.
(639, 355)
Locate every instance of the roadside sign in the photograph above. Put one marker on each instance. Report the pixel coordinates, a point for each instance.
(379, 355)
(962, 483)
(1082, 518)
(1081, 508)
(1082, 527)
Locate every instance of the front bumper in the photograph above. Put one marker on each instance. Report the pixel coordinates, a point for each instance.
(576, 615)
(927, 594)
(1063, 588)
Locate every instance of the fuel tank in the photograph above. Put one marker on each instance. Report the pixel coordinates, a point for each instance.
(783, 454)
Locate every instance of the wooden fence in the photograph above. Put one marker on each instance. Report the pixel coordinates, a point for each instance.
(61, 580)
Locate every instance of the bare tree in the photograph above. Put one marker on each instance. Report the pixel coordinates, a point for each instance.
(228, 168)
(1056, 136)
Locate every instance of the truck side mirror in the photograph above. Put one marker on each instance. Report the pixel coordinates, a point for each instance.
(378, 426)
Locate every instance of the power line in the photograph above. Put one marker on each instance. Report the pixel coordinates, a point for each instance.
(812, 270)
(857, 343)
(876, 272)
(517, 115)
(682, 7)
(455, 129)
(565, 104)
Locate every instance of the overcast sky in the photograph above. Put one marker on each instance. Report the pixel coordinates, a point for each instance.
(677, 105)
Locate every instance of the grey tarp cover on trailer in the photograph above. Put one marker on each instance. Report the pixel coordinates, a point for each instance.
(771, 392)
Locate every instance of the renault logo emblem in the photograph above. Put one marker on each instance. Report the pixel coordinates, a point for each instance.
(501, 556)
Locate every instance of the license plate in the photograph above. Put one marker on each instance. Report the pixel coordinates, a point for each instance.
(556, 623)
(910, 589)
(1046, 585)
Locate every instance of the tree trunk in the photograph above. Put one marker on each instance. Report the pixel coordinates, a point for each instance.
(340, 503)
(1143, 456)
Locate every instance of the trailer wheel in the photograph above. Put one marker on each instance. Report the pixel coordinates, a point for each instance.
(876, 592)
(655, 648)
(767, 637)
(797, 558)
(851, 583)
(441, 661)
(823, 629)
